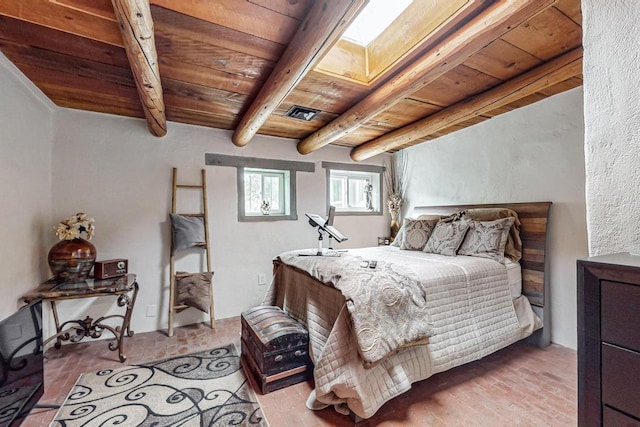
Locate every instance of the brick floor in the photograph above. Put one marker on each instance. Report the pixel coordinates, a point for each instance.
(518, 386)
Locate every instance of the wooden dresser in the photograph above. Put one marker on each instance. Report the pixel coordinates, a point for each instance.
(609, 341)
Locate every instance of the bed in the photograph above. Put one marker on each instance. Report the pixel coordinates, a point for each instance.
(365, 350)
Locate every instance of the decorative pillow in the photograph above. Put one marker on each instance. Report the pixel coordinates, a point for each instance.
(487, 239)
(446, 237)
(513, 248)
(416, 233)
(188, 231)
(193, 289)
(397, 242)
(400, 236)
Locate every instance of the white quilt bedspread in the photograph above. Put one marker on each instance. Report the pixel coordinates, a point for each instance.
(470, 311)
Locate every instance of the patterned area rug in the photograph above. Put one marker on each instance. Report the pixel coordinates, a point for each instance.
(202, 389)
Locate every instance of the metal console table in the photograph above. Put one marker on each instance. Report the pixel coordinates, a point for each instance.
(124, 287)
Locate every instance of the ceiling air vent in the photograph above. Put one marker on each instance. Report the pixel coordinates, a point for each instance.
(302, 113)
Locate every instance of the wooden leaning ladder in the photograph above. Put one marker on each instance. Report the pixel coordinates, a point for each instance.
(205, 245)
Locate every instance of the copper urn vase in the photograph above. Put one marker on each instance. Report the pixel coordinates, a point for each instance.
(71, 260)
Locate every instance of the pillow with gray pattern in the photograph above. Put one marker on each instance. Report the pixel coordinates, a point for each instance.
(446, 237)
(487, 239)
(416, 233)
(397, 242)
(513, 248)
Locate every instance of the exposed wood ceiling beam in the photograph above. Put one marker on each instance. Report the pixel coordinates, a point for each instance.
(539, 78)
(489, 25)
(62, 17)
(320, 30)
(136, 26)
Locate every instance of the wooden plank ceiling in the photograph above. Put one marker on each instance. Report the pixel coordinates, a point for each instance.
(242, 64)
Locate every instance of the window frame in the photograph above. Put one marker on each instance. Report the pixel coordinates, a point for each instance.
(356, 169)
(290, 191)
(284, 189)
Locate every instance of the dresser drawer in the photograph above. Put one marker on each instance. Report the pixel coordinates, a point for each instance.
(620, 373)
(620, 314)
(613, 418)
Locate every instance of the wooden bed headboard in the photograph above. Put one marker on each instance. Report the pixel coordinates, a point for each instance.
(534, 218)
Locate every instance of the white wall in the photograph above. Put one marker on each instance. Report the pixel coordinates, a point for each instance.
(113, 169)
(26, 119)
(612, 115)
(534, 153)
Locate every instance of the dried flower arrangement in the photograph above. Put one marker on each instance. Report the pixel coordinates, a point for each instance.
(76, 226)
(395, 179)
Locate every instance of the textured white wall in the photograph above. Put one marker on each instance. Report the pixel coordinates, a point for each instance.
(612, 116)
(26, 118)
(531, 154)
(113, 169)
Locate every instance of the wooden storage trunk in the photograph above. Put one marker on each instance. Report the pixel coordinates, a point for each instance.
(275, 348)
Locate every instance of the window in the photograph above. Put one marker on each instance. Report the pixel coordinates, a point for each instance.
(373, 19)
(266, 187)
(354, 189)
(266, 192)
(351, 191)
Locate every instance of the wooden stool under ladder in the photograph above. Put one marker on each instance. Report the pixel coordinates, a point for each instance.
(205, 245)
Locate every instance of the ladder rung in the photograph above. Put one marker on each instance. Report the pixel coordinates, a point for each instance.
(192, 214)
(188, 186)
(180, 307)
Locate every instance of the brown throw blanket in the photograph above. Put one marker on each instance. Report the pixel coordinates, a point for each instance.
(380, 301)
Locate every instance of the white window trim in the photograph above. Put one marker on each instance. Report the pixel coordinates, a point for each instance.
(284, 190)
(242, 215)
(329, 166)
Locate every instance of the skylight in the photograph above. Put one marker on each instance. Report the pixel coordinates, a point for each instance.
(374, 19)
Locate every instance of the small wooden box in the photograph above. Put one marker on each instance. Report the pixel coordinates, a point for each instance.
(275, 348)
(110, 268)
